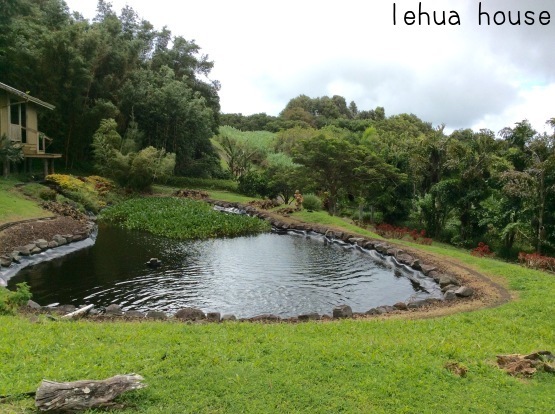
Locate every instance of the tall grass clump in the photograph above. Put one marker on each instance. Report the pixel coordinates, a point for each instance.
(10, 301)
(181, 219)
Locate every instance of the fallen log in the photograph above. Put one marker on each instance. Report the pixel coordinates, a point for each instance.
(80, 311)
(85, 394)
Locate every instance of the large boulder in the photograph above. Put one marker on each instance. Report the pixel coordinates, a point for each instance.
(342, 311)
(464, 292)
(190, 314)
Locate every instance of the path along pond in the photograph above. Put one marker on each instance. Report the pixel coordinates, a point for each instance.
(282, 274)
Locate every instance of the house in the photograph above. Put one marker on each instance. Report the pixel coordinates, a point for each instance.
(18, 121)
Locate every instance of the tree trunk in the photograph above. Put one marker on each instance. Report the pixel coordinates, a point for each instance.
(84, 395)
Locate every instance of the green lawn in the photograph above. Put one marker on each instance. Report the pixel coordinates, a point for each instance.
(351, 366)
(14, 206)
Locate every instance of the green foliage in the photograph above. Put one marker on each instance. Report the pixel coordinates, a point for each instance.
(117, 66)
(180, 219)
(202, 183)
(10, 301)
(10, 151)
(135, 170)
(253, 184)
(312, 202)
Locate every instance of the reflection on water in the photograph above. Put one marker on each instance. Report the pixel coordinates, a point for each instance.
(281, 274)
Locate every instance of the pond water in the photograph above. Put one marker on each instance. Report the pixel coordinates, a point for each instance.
(286, 275)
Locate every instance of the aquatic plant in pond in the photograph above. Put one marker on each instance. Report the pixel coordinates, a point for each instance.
(181, 219)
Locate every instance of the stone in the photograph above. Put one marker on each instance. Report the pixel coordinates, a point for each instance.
(6, 261)
(309, 317)
(449, 287)
(42, 244)
(400, 306)
(393, 252)
(153, 262)
(330, 234)
(382, 248)
(434, 274)
(464, 292)
(33, 305)
(445, 280)
(64, 309)
(36, 250)
(405, 259)
(113, 310)
(68, 237)
(416, 265)
(158, 315)
(228, 317)
(356, 240)
(372, 311)
(15, 257)
(23, 251)
(417, 304)
(426, 269)
(342, 311)
(134, 314)
(213, 317)
(78, 237)
(346, 237)
(450, 295)
(190, 314)
(52, 244)
(265, 318)
(368, 245)
(59, 239)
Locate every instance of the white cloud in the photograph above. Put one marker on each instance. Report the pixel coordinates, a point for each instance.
(266, 53)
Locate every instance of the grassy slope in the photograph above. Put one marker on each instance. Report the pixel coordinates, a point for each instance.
(14, 206)
(379, 366)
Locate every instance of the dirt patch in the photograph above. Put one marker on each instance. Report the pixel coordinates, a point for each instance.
(20, 234)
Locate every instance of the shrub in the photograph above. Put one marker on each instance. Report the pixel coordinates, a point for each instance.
(312, 202)
(537, 261)
(47, 194)
(393, 232)
(253, 184)
(10, 301)
(482, 250)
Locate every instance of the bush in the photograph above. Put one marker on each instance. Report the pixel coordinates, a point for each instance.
(253, 184)
(537, 261)
(203, 183)
(312, 202)
(482, 250)
(10, 301)
(47, 194)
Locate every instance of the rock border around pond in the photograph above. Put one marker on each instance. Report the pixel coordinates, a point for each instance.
(20, 253)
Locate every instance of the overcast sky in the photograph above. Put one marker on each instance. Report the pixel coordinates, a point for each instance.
(267, 52)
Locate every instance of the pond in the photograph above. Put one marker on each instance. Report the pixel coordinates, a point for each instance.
(285, 275)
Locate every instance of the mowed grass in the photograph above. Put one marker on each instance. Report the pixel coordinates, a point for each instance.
(14, 206)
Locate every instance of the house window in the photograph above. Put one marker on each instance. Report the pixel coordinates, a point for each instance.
(18, 118)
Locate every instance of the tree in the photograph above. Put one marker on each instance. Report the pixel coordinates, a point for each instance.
(10, 151)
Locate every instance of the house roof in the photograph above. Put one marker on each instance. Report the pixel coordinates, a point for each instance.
(25, 96)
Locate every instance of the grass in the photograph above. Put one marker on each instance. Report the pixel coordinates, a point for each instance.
(323, 218)
(350, 366)
(14, 206)
(180, 219)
